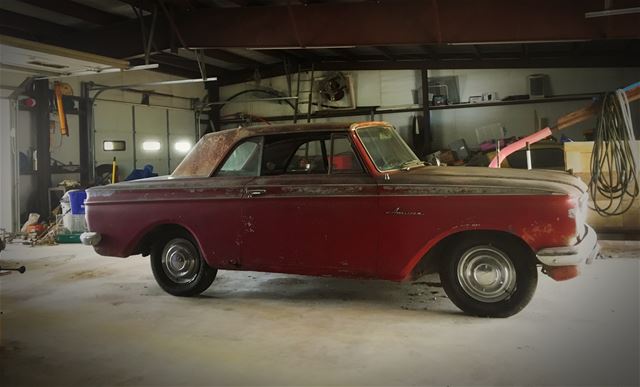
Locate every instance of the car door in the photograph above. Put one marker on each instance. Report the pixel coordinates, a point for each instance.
(220, 217)
(302, 215)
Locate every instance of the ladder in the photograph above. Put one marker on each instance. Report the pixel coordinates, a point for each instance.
(308, 80)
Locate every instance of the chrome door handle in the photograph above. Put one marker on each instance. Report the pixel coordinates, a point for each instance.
(255, 192)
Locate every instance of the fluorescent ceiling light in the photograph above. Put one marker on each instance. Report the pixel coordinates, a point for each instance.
(160, 83)
(151, 146)
(298, 48)
(182, 146)
(517, 42)
(612, 12)
(104, 71)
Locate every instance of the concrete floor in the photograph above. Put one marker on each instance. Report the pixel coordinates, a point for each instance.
(75, 318)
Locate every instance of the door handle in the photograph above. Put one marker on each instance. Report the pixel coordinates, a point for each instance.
(255, 192)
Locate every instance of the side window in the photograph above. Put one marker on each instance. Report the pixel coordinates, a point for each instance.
(310, 157)
(343, 157)
(244, 160)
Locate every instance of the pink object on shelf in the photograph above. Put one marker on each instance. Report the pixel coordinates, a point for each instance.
(516, 146)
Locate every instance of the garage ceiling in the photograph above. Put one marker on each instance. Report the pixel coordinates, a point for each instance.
(238, 40)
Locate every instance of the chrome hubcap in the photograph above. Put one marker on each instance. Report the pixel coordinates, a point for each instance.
(487, 274)
(180, 261)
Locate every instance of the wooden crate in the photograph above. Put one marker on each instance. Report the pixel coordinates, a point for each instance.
(578, 158)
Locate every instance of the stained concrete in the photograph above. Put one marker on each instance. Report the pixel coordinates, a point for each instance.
(75, 318)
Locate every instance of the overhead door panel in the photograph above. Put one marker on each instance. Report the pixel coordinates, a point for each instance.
(151, 138)
(182, 135)
(114, 122)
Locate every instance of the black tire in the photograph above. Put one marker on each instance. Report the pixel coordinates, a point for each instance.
(178, 266)
(489, 276)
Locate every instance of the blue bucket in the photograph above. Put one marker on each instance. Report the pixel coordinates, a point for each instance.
(76, 199)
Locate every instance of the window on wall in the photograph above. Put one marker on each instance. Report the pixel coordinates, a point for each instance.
(114, 145)
(182, 147)
(151, 146)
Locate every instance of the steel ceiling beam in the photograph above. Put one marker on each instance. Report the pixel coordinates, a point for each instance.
(469, 62)
(147, 5)
(171, 70)
(230, 57)
(122, 40)
(185, 64)
(401, 22)
(19, 25)
(385, 52)
(78, 11)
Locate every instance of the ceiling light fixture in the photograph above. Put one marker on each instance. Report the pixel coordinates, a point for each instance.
(160, 83)
(612, 12)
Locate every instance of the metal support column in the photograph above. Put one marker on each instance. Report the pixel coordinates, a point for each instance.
(310, 103)
(43, 165)
(85, 114)
(213, 90)
(422, 136)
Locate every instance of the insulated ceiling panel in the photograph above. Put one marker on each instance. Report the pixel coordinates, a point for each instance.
(48, 59)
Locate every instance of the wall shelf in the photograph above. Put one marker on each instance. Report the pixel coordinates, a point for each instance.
(372, 110)
(558, 98)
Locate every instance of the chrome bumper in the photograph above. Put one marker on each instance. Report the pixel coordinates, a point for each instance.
(585, 250)
(90, 238)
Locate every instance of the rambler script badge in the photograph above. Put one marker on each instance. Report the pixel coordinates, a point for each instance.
(398, 211)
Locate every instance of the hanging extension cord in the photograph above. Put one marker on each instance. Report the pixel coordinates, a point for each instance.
(614, 162)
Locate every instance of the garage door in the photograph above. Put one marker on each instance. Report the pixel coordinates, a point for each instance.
(139, 135)
(114, 125)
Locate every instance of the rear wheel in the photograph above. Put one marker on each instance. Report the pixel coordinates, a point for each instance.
(489, 276)
(178, 266)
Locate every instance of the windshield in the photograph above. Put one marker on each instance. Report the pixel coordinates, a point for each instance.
(386, 148)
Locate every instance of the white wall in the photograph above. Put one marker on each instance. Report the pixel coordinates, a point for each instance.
(394, 89)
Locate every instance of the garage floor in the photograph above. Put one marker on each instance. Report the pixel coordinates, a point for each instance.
(75, 318)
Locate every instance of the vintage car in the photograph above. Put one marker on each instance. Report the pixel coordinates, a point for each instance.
(346, 201)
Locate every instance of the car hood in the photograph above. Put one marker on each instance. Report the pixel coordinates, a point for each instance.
(482, 180)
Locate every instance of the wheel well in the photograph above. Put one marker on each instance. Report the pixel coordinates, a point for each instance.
(147, 241)
(430, 262)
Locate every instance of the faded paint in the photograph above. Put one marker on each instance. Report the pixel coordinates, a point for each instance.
(345, 225)
(209, 152)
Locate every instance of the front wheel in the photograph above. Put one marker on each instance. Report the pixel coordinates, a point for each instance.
(179, 268)
(489, 277)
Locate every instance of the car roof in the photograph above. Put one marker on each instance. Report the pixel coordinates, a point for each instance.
(212, 147)
(290, 128)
